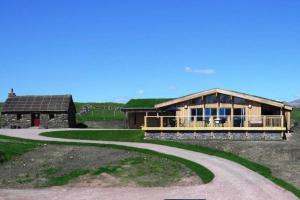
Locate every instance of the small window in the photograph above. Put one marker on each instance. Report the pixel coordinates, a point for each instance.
(19, 116)
(51, 116)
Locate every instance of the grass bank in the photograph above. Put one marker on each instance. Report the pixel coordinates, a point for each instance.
(205, 174)
(137, 136)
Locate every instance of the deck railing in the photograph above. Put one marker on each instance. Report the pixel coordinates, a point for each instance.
(235, 121)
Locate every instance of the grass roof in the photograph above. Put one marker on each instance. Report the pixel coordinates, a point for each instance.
(144, 103)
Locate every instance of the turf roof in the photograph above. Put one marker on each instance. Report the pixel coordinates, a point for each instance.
(144, 103)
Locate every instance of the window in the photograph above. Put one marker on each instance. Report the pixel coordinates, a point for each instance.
(211, 99)
(197, 113)
(197, 101)
(19, 116)
(238, 100)
(224, 113)
(225, 98)
(210, 112)
(51, 116)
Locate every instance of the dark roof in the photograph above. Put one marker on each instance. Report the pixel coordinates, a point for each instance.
(143, 103)
(37, 103)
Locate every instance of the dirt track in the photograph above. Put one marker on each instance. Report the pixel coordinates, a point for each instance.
(232, 181)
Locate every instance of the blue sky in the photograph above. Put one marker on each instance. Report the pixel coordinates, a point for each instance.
(117, 50)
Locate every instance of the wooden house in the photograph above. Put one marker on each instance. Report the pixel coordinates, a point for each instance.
(215, 113)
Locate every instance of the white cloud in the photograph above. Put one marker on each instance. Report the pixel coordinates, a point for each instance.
(200, 71)
(140, 92)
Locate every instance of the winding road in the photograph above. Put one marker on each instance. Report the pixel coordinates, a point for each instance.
(232, 181)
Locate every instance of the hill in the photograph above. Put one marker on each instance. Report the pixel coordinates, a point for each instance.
(107, 111)
(295, 103)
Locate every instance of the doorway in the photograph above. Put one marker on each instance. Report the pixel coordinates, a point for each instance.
(35, 120)
(239, 117)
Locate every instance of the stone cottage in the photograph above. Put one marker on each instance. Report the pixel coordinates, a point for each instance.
(51, 111)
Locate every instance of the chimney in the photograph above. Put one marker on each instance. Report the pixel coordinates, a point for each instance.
(11, 94)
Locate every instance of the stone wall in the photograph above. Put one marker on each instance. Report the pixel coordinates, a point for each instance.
(59, 121)
(11, 121)
(105, 124)
(213, 136)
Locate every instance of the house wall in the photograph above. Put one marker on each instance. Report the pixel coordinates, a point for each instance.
(135, 120)
(60, 120)
(255, 110)
(11, 121)
(288, 120)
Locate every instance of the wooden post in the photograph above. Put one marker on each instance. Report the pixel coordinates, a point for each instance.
(218, 105)
(161, 121)
(145, 121)
(203, 114)
(177, 121)
(231, 112)
(282, 121)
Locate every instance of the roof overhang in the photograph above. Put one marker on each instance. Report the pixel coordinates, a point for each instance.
(226, 92)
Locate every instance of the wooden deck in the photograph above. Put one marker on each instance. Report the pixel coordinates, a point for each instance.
(215, 123)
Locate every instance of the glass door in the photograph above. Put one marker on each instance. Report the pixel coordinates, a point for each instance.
(239, 117)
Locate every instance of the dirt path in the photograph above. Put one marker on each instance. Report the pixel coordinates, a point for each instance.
(232, 181)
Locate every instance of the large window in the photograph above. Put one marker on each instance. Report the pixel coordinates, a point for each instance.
(238, 100)
(224, 113)
(225, 98)
(210, 112)
(211, 99)
(197, 101)
(197, 114)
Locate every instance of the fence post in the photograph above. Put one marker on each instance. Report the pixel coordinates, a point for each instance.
(145, 121)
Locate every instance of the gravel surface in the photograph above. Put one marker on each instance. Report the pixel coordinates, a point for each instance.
(282, 157)
(232, 181)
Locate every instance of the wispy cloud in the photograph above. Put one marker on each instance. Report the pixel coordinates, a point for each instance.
(206, 71)
(140, 92)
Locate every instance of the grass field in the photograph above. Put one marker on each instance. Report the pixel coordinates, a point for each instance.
(137, 136)
(11, 147)
(100, 112)
(296, 115)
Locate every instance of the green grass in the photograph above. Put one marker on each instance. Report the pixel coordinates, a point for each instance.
(100, 112)
(146, 171)
(117, 136)
(107, 135)
(296, 114)
(205, 174)
(54, 180)
(144, 103)
(105, 169)
(10, 148)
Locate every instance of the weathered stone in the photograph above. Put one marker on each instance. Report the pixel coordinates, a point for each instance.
(215, 136)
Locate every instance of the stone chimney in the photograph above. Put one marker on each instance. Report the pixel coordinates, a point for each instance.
(11, 94)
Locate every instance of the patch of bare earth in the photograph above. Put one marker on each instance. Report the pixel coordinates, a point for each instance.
(34, 169)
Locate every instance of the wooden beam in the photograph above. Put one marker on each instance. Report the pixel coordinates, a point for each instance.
(227, 92)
